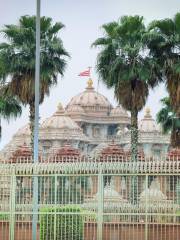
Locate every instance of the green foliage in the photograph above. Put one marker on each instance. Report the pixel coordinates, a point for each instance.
(178, 195)
(9, 108)
(124, 63)
(17, 60)
(166, 116)
(18, 55)
(4, 217)
(169, 121)
(65, 221)
(164, 44)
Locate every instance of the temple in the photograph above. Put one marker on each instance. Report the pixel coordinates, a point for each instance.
(85, 165)
(90, 123)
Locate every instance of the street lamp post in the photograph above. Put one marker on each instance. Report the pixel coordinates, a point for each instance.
(36, 122)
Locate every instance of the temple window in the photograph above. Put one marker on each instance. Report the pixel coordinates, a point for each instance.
(96, 131)
(111, 130)
(157, 150)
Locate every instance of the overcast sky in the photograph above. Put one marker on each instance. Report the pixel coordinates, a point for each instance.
(82, 19)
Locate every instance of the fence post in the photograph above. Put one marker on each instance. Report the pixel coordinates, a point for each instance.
(146, 209)
(55, 202)
(12, 205)
(100, 204)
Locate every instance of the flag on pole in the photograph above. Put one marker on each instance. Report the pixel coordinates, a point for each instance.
(85, 73)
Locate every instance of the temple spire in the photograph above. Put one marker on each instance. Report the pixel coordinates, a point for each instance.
(90, 83)
(147, 113)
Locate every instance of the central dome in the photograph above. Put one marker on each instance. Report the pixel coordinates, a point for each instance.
(90, 100)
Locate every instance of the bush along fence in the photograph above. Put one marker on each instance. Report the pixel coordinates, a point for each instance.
(64, 222)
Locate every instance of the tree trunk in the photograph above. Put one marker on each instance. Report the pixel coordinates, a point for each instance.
(134, 135)
(0, 130)
(31, 123)
(175, 137)
(134, 154)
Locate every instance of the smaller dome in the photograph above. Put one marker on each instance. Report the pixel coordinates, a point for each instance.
(110, 194)
(60, 109)
(22, 155)
(174, 154)
(153, 194)
(148, 124)
(140, 155)
(61, 126)
(113, 201)
(118, 111)
(67, 153)
(19, 138)
(59, 120)
(112, 152)
(24, 131)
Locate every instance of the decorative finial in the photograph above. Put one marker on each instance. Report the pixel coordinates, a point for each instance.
(90, 83)
(60, 108)
(148, 112)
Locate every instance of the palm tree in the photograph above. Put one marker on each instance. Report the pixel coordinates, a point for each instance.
(169, 122)
(9, 108)
(124, 64)
(18, 56)
(164, 44)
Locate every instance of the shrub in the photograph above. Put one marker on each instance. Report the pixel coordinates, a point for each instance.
(4, 217)
(66, 222)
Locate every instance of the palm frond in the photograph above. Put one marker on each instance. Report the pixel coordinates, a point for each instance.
(18, 54)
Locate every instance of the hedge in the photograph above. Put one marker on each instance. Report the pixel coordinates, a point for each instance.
(4, 217)
(69, 225)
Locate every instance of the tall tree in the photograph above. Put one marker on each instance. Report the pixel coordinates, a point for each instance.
(18, 56)
(169, 122)
(164, 44)
(124, 64)
(9, 108)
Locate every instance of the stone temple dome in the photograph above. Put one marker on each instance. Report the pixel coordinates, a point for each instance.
(91, 101)
(22, 155)
(60, 126)
(148, 124)
(66, 153)
(24, 131)
(21, 136)
(174, 154)
(59, 120)
(75, 109)
(153, 193)
(118, 111)
(110, 194)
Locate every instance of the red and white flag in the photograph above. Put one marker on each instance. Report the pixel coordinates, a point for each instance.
(85, 73)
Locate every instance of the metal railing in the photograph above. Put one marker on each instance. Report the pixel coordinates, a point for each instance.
(91, 199)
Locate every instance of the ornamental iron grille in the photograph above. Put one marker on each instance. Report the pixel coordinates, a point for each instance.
(92, 199)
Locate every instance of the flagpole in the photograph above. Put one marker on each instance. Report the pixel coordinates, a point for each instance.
(90, 71)
(36, 122)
